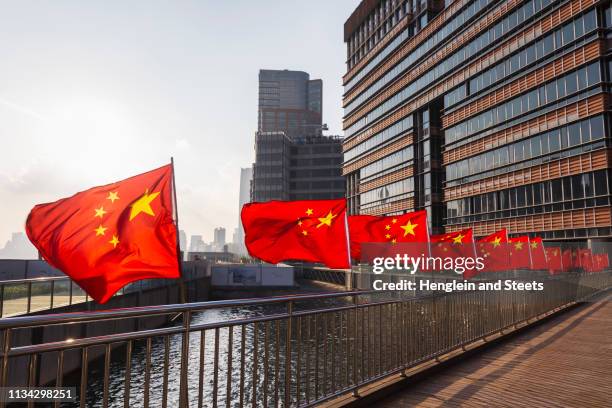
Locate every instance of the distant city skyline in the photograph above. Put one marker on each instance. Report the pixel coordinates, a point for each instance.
(82, 106)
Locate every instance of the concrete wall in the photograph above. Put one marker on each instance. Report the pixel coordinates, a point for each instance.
(26, 268)
(252, 276)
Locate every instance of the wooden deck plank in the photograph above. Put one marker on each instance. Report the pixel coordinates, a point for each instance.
(564, 362)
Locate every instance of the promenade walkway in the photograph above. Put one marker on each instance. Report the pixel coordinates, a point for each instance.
(564, 362)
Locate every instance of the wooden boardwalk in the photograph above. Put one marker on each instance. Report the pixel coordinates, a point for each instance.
(563, 362)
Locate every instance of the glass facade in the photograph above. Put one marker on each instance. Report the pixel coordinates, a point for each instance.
(422, 124)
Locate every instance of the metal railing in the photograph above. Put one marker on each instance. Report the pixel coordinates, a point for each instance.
(25, 296)
(285, 351)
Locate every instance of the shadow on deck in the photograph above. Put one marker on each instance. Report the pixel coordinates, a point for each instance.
(564, 361)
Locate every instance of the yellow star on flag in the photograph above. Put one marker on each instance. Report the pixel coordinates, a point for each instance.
(496, 242)
(409, 228)
(518, 245)
(388, 236)
(100, 230)
(534, 245)
(327, 220)
(114, 241)
(304, 232)
(394, 221)
(300, 223)
(143, 204)
(458, 239)
(309, 211)
(387, 227)
(112, 196)
(100, 212)
(394, 241)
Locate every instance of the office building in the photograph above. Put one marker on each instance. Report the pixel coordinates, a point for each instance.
(306, 168)
(219, 238)
(289, 102)
(293, 159)
(488, 114)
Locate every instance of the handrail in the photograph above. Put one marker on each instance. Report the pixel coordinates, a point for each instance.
(144, 311)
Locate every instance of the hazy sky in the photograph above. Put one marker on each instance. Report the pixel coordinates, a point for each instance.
(96, 91)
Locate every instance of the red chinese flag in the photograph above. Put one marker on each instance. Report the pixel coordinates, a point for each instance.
(585, 259)
(538, 256)
(307, 230)
(494, 250)
(458, 244)
(566, 260)
(395, 230)
(519, 252)
(553, 256)
(109, 236)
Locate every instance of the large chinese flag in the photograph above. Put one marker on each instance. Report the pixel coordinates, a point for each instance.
(538, 256)
(392, 230)
(494, 250)
(109, 236)
(553, 256)
(519, 252)
(307, 230)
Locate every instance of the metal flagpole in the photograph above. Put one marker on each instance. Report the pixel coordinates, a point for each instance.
(183, 291)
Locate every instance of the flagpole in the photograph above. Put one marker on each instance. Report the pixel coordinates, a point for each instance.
(183, 291)
(348, 248)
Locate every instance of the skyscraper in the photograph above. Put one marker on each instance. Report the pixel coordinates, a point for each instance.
(289, 102)
(487, 113)
(244, 196)
(219, 238)
(293, 160)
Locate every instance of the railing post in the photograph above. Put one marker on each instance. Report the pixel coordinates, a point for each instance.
(5, 356)
(288, 355)
(52, 293)
(29, 297)
(183, 386)
(70, 292)
(355, 389)
(1, 300)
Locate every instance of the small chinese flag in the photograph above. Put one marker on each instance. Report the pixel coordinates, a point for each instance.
(458, 244)
(397, 229)
(453, 244)
(585, 259)
(566, 260)
(306, 230)
(553, 256)
(538, 256)
(494, 250)
(519, 252)
(109, 236)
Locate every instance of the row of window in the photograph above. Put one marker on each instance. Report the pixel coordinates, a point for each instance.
(388, 194)
(484, 40)
(392, 162)
(375, 27)
(412, 56)
(556, 89)
(317, 185)
(574, 233)
(530, 163)
(379, 138)
(567, 193)
(536, 50)
(306, 173)
(555, 140)
(443, 32)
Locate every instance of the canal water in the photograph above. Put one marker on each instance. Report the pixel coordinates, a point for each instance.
(165, 361)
